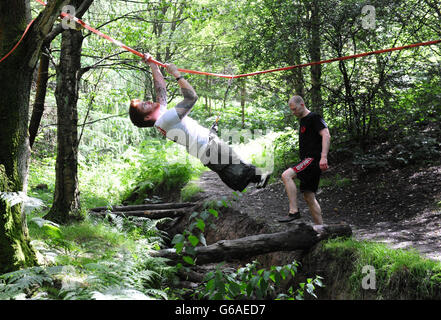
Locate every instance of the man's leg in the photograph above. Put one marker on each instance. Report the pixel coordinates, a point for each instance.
(290, 187)
(234, 172)
(314, 207)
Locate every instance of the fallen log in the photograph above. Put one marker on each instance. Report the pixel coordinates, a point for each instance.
(151, 214)
(158, 206)
(300, 237)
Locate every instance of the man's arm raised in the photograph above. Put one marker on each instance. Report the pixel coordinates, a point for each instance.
(190, 96)
(158, 82)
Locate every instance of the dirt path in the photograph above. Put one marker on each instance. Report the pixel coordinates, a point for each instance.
(398, 208)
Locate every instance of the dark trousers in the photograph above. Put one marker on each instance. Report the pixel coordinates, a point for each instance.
(235, 173)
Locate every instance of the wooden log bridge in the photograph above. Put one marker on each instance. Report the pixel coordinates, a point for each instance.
(151, 211)
(299, 237)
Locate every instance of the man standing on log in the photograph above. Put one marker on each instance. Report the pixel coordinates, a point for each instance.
(314, 141)
(199, 141)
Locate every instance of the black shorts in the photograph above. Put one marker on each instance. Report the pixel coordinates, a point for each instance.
(308, 171)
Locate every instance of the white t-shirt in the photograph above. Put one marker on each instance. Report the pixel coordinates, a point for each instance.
(186, 131)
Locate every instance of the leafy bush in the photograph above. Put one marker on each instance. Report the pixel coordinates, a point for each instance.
(189, 191)
(250, 283)
(163, 168)
(186, 242)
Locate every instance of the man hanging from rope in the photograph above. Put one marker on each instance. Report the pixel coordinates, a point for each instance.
(176, 125)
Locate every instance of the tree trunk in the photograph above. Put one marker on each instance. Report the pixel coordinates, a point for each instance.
(299, 88)
(15, 86)
(151, 214)
(243, 93)
(15, 249)
(314, 50)
(206, 95)
(159, 206)
(40, 96)
(66, 205)
(300, 237)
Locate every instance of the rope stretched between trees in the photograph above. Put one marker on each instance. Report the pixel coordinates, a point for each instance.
(229, 76)
(19, 41)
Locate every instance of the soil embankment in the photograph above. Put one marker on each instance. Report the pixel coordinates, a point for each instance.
(395, 209)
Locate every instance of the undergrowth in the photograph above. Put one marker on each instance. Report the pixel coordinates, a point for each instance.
(94, 259)
(399, 273)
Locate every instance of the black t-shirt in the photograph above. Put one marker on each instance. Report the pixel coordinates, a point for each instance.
(310, 141)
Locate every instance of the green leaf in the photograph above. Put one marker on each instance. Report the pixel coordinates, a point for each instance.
(188, 259)
(266, 275)
(254, 281)
(52, 231)
(178, 238)
(210, 285)
(192, 226)
(249, 289)
(202, 239)
(213, 212)
(273, 277)
(179, 246)
(193, 240)
(318, 282)
(193, 215)
(200, 224)
(234, 289)
(220, 285)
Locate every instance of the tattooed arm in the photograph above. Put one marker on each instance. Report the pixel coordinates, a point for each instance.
(190, 97)
(158, 82)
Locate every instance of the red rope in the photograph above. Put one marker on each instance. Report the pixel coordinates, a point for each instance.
(342, 58)
(118, 43)
(19, 41)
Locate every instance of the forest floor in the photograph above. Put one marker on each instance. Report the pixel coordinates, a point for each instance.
(400, 208)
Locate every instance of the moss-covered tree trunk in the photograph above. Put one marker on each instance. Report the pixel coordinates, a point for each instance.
(15, 249)
(15, 85)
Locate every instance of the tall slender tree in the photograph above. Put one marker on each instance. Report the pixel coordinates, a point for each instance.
(66, 204)
(315, 54)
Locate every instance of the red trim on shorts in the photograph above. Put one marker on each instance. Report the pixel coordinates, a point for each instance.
(302, 165)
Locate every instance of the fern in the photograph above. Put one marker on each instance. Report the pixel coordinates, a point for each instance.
(109, 261)
(129, 275)
(26, 281)
(156, 293)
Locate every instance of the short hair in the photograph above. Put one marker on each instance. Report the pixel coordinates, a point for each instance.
(297, 100)
(137, 113)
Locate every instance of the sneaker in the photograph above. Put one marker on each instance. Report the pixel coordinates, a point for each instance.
(319, 228)
(263, 181)
(290, 217)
